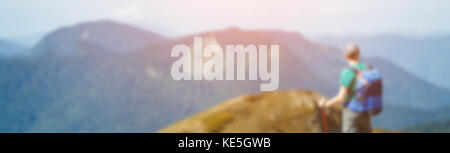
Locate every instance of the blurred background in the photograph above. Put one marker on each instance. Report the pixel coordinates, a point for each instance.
(104, 66)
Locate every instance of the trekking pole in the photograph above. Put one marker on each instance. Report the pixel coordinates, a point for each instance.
(324, 120)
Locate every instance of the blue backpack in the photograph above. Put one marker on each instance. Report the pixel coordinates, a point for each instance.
(368, 96)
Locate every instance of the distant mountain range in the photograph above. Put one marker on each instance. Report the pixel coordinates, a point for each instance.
(28, 40)
(8, 48)
(106, 76)
(114, 36)
(425, 57)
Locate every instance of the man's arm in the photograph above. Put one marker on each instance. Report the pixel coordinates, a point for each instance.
(339, 98)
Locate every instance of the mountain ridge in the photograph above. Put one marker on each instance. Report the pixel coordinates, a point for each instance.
(9, 48)
(276, 111)
(114, 36)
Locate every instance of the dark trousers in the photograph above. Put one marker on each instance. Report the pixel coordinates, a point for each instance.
(356, 122)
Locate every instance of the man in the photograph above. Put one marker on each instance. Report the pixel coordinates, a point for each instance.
(352, 121)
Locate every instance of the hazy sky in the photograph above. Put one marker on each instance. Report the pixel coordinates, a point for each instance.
(25, 17)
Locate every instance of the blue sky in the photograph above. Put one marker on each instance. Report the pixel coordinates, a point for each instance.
(342, 17)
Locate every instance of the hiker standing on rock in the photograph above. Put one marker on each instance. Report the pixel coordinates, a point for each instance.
(360, 91)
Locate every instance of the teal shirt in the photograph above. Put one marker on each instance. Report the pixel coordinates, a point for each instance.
(347, 76)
